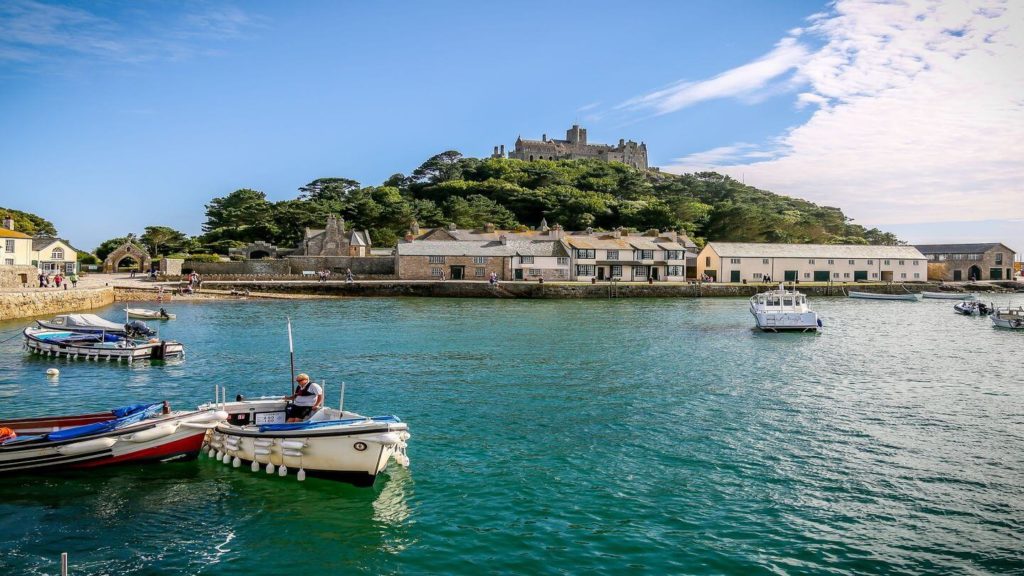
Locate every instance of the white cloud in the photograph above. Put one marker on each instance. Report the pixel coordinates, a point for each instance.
(920, 115)
(743, 80)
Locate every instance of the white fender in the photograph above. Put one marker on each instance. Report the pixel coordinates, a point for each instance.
(261, 451)
(385, 438)
(293, 453)
(263, 442)
(158, 431)
(293, 444)
(86, 446)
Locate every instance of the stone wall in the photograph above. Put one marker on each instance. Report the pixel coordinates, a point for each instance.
(419, 267)
(31, 303)
(383, 266)
(18, 277)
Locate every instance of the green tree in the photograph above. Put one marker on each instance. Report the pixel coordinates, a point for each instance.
(155, 237)
(108, 246)
(29, 223)
(243, 216)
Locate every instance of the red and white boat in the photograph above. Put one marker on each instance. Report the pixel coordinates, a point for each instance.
(133, 434)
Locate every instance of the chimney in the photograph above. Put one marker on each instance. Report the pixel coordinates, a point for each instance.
(556, 232)
(488, 227)
(409, 236)
(543, 225)
(414, 228)
(590, 230)
(503, 239)
(452, 226)
(652, 232)
(9, 222)
(617, 233)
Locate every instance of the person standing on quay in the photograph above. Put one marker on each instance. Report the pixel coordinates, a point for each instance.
(74, 279)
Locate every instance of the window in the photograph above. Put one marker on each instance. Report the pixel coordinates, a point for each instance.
(616, 271)
(757, 276)
(646, 254)
(9, 246)
(916, 262)
(831, 261)
(9, 261)
(436, 272)
(874, 274)
(846, 274)
(764, 261)
(675, 270)
(851, 262)
(807, 274)
(707, 261)
(559, 273)
(479, 259)
(917, 274)
(534, 272)
(640, 272)
(835, 274)
(999, 257)
(903, 275)
(673, 254)
(478, 272)
(613, 255)
(585, 269)
(526, 259)
(563, 261)
(942, 257)
(734, 261)
(810, 261)
(69, 267)
(57, 254)
(870, 262)
(583, 254)
(901, 262)
(435, 260)
(886, 262)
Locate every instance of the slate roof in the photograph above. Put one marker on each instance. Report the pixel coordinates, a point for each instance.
(959, 248)
(481, 248)
(763, 250)
(41, 242)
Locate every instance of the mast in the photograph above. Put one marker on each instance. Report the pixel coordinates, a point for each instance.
(291, 354)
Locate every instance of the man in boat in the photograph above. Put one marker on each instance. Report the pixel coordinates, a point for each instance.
(308, 398)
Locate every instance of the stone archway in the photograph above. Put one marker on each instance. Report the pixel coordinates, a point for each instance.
(255, 251)
(127, 250)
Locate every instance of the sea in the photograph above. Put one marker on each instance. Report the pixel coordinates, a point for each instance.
(641, 436)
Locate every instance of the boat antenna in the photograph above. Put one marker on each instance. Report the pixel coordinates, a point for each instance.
(291, 354)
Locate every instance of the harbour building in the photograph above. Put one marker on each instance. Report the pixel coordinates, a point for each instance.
(752, 262)
(965, 262)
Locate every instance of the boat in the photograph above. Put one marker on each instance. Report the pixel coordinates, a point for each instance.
(332, 443)
(873, 296)
(781, 309)
(971, 308)
(131, 434)
(93, 324)
(949, 295)
(1007, 317)
(102, 346)
(147, 314)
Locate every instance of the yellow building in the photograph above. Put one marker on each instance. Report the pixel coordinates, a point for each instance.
(17, 247)
(45, 253)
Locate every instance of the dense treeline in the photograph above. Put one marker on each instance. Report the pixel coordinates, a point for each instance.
(29, 223)
(512, 193)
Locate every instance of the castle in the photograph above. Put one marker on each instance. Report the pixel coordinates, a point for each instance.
(575, 147)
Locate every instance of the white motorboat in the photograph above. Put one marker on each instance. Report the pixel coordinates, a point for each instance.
(93, 324)
(333, 443)
(781, 309)
(147, 314)
(1007, 317)
(970, 308)
(949, 295)
(102, 346)
(872, 296)
(132, 434)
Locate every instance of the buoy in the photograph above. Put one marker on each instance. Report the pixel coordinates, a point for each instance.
(301, 475)
(255, 466)
(282, 471)
(270, 468)
(236, 462)
(52, 372)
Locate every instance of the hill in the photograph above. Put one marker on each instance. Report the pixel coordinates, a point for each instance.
(29, 223)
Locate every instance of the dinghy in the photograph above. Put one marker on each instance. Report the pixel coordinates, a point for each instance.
(948, 295)
(333, 443)
(1007, 317)
(779, 310)
(872, 296)
(93, 324)
(132, 434)
(102, 346)
(972, 308)
(147, 314)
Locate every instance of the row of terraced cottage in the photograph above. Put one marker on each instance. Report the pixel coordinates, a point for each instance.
(553, 254)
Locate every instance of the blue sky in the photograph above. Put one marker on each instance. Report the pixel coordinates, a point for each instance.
(120, 115)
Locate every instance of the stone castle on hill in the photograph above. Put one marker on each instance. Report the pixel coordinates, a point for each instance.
(575, 147)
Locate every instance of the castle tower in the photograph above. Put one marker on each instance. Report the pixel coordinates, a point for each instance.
(576, 136)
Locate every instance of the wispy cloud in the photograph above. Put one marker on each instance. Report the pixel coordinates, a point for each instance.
(745, 80)
(33, 31)
(919, 115)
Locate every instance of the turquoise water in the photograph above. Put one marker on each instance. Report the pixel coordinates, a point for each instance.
(562, 437)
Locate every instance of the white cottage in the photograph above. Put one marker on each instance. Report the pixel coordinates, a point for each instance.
(752, 262)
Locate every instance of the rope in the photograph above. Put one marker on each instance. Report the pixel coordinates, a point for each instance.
(16, 334)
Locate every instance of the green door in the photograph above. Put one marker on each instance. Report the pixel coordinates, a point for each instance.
(860, 274)
(790, 275)
(734, 276)
(995, 273)
(821, 275)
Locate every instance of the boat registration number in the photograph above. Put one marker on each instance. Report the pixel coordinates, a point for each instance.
(270, 418)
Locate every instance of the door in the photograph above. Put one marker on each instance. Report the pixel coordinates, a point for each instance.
(458, 272)
(600, 272)
(995, 273)
(860, 275)
(789, 275)
(958, 275)
(734, 276)
(519, 274)
(821, 275)
(654, 272)
(974, 273)
(887, 276)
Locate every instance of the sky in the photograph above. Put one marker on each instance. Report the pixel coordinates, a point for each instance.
(907, 115)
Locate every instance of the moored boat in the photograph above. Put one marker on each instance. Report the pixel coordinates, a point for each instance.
(1007, 317)
(102, 346)
(132, 434)
(970, 308)
(783, 310)
(872, 296)
(333, 443)
(147, 314)
(949, 295)
(93, 324)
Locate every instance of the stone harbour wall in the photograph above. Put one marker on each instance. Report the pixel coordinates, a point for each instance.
(31, 303)
(18, 276)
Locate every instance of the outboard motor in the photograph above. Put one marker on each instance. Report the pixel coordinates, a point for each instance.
(137, 329)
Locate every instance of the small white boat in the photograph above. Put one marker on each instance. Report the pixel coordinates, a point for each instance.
(1007, 317)
(147, 314)
(872, 296)
(949, 295)
(972, 308)
(781, 309)
(103, 346)
(93, 324)
(333, 443)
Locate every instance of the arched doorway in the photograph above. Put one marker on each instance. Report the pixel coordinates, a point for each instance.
(127, 254)
(974, 273)
(258, 254)
(127, 264)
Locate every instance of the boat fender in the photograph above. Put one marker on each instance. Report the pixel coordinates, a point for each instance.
(236, 462)
(6, 434)
(293, 444)
(231, 442)
(212, 452)
(255, 466)
(262, 451)
(293, 453)
(86, 446)
(301, 476)
(153, 433)
(282, 471)
(226, 459)
(270, 468)
(263, 442)
(405, 435)
(386, 438)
